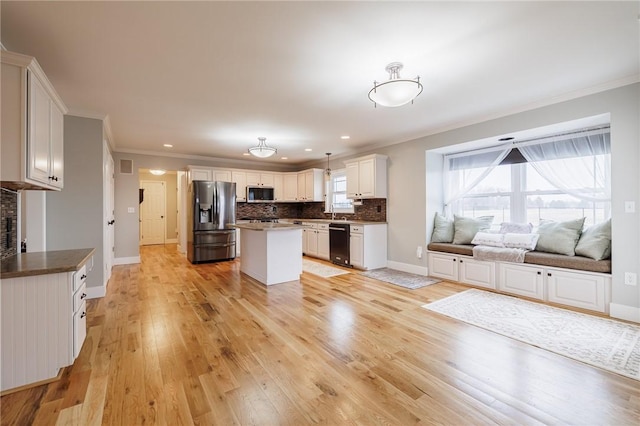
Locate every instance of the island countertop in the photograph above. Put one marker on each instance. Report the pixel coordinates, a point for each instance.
(268, 226)
(44, 262)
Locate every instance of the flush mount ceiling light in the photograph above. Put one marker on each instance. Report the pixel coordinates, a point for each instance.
(396, 91)
(262, 150)
(157, 172)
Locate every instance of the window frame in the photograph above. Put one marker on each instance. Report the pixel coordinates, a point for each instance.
(330, 193)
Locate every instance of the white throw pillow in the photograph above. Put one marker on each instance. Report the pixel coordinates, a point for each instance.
(521, 241)
(515, 228)
(488, 239)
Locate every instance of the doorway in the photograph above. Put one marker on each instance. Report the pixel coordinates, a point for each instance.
(152, 213)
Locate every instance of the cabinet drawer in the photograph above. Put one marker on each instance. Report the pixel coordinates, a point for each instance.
(79, 329)
(357, 229)
(79, 297)
(80, 277)
(323, 227)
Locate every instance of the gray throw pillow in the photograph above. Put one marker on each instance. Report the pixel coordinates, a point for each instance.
(559, 237)
(595, 241)
(465, 228)
(442, 230)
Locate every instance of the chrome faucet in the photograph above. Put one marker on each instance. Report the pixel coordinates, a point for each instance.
(333, 212)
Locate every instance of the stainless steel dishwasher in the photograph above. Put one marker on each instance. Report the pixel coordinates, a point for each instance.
(339, 238)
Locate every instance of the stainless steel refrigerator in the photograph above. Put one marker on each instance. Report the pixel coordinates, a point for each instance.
(212, 208)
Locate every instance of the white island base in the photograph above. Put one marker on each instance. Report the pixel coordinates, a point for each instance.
(271, 254)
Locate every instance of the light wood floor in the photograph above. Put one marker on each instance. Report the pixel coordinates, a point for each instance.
(173, 343)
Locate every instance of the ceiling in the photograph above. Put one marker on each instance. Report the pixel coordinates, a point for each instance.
(210, 78)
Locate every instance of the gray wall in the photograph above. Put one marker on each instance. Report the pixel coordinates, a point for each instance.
(74, 215)
(409, 216)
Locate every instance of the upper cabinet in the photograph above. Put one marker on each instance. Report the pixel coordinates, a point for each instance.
(32, 126)
(260, 179)
(367, 177)
(310, 185)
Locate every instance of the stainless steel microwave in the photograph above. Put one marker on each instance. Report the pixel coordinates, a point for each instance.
(260, 194)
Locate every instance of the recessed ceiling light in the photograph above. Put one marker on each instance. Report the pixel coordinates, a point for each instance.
(345, 137)
(246, 153)
(308, 149)
(168, 145)
(284, 158)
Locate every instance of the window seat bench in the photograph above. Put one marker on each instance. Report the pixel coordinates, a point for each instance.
(569, 280)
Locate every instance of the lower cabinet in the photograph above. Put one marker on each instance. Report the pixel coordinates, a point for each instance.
(315, 240)
(581, 289)
(368, 246)
(44, 324)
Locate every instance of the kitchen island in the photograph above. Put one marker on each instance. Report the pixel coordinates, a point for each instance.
(271, 252)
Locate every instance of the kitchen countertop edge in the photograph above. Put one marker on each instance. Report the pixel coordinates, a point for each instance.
(45, 262)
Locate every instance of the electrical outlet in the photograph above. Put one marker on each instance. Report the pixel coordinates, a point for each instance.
(131, 210)
(419, 252)
(629, 207)
(630, 278)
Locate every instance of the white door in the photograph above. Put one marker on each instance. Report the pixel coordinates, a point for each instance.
(152, 216)
(109, 214)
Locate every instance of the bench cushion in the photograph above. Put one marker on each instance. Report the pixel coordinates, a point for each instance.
(536, 258)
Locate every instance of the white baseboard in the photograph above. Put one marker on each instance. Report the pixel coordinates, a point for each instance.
(126, 260)
(171, 241)
(96, 292)
(624, 312)
(407, 267)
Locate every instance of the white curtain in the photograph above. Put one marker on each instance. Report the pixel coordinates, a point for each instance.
(463, 172)
(578, 165)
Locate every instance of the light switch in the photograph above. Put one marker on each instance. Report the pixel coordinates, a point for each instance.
(629, 206)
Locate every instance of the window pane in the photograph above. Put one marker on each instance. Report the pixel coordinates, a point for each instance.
(535, 182)
(563, 207)
(499, 180)
(496, 206)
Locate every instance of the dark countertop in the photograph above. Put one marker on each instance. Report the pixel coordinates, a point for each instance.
(44, 262)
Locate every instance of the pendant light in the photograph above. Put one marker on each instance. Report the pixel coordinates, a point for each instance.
(327, 171)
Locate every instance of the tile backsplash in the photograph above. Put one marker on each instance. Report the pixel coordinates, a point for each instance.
(372, 210)
(8, 223)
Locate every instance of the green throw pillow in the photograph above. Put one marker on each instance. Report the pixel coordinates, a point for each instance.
(442, 230)
(559, 237)
(595, 241)
(465, 228)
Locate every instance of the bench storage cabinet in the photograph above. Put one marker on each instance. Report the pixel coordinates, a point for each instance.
(581, 289)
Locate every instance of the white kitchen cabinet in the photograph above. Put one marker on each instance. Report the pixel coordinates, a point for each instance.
(278, 187)
(367, 177)
(310, 185)
(240, 179)
(43, 320)
(583, 290)
(443, 266)
(221, 175)
(310, 239)
(32, 145)
(368, 246)
(290, 186)
(259, 179)
(200, 174)
(323, 241)
(463, 269)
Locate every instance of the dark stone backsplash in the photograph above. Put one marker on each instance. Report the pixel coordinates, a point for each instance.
(9, 213)
(371, 210)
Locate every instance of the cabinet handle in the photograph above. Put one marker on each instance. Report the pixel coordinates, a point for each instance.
(83, 314)
(460, 260)
(539, 273)
(83, 276)
(83, 295)
(548, 274)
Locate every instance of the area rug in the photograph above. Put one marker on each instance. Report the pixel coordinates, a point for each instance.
(601, 342)
(320, 269)
(403, 279)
